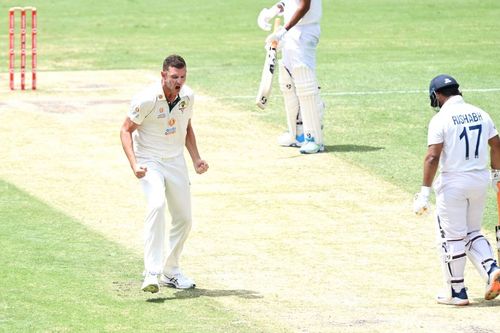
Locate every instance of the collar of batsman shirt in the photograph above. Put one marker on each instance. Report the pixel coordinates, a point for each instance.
(162, 126)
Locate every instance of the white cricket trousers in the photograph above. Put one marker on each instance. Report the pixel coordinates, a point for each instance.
(460, 202)
(166, 183)
(299, 46)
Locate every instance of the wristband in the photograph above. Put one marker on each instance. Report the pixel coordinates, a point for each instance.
(425, 190)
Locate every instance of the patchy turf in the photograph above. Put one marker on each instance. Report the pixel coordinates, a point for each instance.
(313, 242)
(59, 276)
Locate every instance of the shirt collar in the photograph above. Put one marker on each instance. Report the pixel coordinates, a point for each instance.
(161, 94)
(454, 100)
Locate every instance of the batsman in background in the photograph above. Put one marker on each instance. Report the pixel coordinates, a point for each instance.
(458, 139)
(153, 135)
(298, 39)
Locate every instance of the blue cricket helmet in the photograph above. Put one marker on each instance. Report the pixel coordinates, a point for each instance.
(438, 83)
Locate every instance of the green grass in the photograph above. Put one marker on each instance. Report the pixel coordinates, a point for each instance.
(379, 45)
(58, 276)
(366, 46)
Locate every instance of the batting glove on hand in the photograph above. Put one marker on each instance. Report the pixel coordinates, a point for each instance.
(263, 19)
(276, 36)
(495, 178)
(421, 202)
(268, 46)
(266, 15)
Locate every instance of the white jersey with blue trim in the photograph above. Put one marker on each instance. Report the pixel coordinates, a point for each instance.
(162, 127)
(464, 131)
(312, 16)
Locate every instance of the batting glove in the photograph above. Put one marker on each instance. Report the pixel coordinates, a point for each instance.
(276, 36)
(269, 46)
(421, 202)
(266, 15)
(495, 178)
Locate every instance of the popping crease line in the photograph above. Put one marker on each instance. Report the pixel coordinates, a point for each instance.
(340, 93)
(379, 92)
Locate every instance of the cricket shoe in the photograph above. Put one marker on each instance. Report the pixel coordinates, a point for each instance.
(459, 298)
(493, 286)
(177, 280)
(150, 283)
(287, 140)
(311, 147)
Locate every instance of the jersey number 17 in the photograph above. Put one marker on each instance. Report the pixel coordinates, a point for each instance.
(465, 136)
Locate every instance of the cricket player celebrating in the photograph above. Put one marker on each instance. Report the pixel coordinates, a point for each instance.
(458, 140)
(153, 137)
(298, 39)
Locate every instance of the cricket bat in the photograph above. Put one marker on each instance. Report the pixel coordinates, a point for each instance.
(266, 81)
(497, 227)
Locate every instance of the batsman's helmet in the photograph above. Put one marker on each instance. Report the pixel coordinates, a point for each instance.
(440, 82)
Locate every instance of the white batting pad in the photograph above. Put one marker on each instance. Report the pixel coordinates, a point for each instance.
(290, 98)
(453, 259)
(307, 90)
(479, 251)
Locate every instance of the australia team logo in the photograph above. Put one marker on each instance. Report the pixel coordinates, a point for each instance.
(183, 105)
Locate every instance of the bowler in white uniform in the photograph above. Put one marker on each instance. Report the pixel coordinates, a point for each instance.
(153, 136)
(461, 140)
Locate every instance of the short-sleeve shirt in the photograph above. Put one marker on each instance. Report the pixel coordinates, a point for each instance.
(312, 16)
(464, 131)
(162, 127)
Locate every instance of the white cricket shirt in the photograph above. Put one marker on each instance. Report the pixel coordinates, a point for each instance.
(312, 16)
(162, 131)
(464, 131)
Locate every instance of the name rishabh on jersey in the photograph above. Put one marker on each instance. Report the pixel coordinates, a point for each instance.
(467, 118)
(162, 126)
(464, 130)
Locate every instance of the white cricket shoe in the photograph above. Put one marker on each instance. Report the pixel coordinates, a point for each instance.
(459, 298)
(493, 286)
(286, 140)
(311, 147)
(177, 280)
(150, 283)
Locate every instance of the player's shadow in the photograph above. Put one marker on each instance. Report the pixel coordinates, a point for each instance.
(482, 303)
(350, 148)
(195, 293)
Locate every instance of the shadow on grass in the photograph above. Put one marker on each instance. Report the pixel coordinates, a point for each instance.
(482, 303)
(341, 149)
(195, 293)
(350, 148)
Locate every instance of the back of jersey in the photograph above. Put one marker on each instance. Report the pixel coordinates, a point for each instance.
(464, 131)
